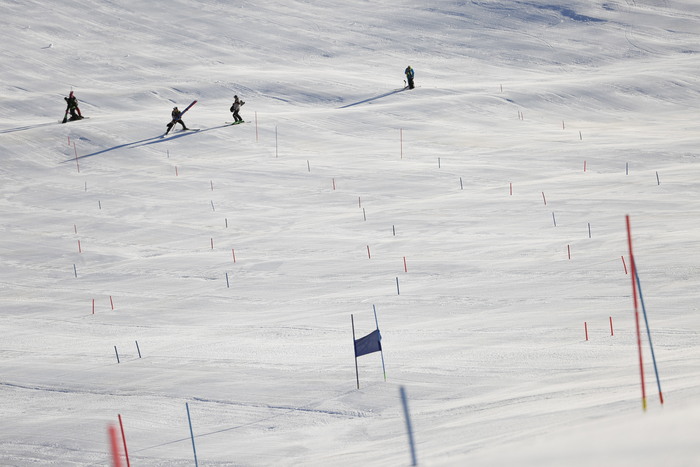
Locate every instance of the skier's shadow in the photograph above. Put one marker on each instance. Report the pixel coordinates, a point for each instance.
(27, 127)
(386, 94)
(145, 142)
(180, 134)
(121, 146)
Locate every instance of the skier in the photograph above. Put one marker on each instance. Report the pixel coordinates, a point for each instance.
(235, 108)
(72, 107)
(409, 76)
(175, 114)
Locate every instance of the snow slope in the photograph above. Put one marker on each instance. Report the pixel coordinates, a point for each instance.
(482, 214)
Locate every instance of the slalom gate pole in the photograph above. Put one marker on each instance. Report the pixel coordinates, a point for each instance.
(381, 352)
(636, 314)
(354, 352)
(189, 420)
(651, 346)
(114, 446)
(126, 451)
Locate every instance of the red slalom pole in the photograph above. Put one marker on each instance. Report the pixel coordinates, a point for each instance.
(405, 267)
(636, 313)
(624, 264)
(585, 327)
(126, 451)
(612, 332)
(114, 446)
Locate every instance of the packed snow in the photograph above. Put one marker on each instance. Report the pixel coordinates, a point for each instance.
(482, 214)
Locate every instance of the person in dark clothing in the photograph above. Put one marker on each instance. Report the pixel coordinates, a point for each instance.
(72, 107)
(409, 76)
(235, 108)
(175, 114)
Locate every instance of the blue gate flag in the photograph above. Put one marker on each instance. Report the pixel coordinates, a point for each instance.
(372, 342)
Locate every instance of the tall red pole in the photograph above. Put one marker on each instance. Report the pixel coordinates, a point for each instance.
(114, 445)
(636, 312)
(126, 451)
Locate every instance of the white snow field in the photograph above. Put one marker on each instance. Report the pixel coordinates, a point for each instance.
(483, 215)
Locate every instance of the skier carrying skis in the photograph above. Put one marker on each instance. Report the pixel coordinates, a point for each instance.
(409, 76)
(235, 108)
(72, 107)
(175, 114)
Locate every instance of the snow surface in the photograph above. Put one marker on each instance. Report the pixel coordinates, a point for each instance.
(338, 178)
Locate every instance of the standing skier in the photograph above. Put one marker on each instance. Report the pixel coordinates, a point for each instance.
(72, 107)
(176, 114)
(235, 108)
(409, 76)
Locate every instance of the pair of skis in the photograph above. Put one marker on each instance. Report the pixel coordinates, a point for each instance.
(68, 120)
(172, 122)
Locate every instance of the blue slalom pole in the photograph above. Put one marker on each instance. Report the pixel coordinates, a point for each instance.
(646, 322)
(189, 420)
(381, 352)
(409, 428)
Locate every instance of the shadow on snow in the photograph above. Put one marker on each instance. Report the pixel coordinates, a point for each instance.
(147, 141)
(386, 94)
(27, 127)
